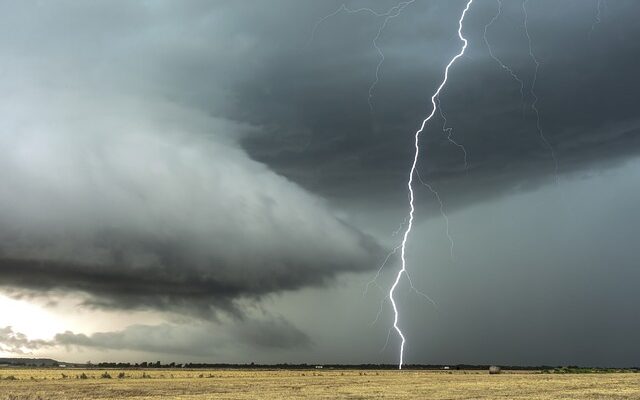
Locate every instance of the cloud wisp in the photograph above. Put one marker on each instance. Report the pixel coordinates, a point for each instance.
(195, 340)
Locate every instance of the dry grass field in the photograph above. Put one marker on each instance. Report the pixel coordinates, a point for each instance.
(50, 384)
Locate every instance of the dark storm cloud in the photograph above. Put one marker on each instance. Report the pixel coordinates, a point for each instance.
(313, 100)
(275, 333)
(135, 215)
(192, 339)
(536, 280)
(255, 63)
(112, 189)
(141, 142)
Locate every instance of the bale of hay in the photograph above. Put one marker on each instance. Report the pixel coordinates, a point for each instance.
(494, 370)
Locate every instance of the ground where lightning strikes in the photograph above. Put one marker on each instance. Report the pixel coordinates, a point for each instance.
(31, 384)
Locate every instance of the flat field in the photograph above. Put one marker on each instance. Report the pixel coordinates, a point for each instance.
(51, 384)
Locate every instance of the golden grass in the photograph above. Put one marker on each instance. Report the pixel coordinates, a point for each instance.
(49, 384)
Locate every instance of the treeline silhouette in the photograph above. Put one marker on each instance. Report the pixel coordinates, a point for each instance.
(40, 363)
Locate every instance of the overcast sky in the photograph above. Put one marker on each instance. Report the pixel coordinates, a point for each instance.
(220, 181)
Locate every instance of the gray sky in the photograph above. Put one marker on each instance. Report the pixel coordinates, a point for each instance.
(205, 181)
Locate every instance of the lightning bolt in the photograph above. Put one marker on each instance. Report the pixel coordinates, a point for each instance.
(343, 7)
(403, 270)
(534, 103)
(442, 212)
(598, 17)
(449, 132)
(407, 224)
(498, 60)
(391, 13)
(374, 281)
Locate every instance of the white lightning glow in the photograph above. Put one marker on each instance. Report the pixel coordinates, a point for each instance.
(391, 13)
(399, 229)
(403, 269)
(374, 280)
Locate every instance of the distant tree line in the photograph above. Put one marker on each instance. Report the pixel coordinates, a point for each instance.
(466, 367)
(40, 363)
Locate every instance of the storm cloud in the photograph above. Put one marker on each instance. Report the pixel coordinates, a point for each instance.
(196, 339)
(136, 200)
(307, 95)
(320, 131)
(204, 158)
(144, 214)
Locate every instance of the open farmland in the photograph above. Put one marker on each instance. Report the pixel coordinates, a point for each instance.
(50, 384)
